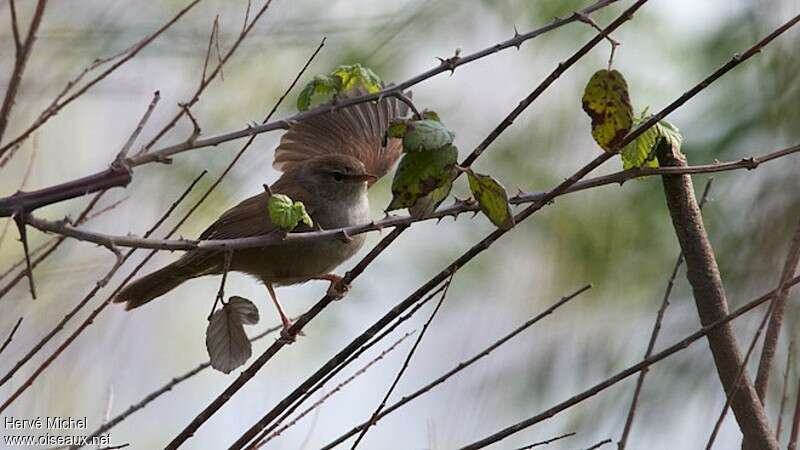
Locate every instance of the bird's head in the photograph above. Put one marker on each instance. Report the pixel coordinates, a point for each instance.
(335, 175)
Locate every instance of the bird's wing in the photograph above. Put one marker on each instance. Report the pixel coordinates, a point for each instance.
(355, 130)
(251, 218)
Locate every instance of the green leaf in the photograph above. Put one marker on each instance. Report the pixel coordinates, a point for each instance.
(354, 76)
(286, 214)
(641, 152)
(428, 203)
(606, 101)
(426, 135)
(492, 199)
(421, 173)
(397, 128)
(319, 85)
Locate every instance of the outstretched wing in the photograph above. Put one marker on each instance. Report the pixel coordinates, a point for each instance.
(356, 130)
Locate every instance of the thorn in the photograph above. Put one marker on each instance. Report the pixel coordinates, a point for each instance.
(345, 237)
(19, 218)
(267, 190)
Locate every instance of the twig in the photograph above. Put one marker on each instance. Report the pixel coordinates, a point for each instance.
(406, 363)
(22, 184)
(109, 424)
(454, 210)
(739, 375)
(333, 391)
(221, 292)
(307, 393)
(776, 321)
(100, 180)
(784, 393)
(654, 334)
(710, 299)
(19, 219)
(214, 30)
(36, 348)
(53, 244)
(599, 444)
(23, 53)
(795, 421)
(10, 336)
(549, 441)
(58, 104)
(123, 153)
(654, 358)
(460, 366)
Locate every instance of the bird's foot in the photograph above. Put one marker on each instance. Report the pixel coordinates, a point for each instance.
(338, 288)
(286, 336)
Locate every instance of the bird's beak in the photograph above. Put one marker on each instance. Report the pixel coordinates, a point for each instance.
(368, 177)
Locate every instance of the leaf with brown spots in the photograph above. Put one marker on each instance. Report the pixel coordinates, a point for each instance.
(606, 101)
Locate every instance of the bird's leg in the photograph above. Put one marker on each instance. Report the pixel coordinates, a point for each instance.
(284, 318)
(338, 287)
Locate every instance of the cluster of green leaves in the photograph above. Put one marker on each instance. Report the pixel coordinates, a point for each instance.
(425, 175)
(286, 213)
(427, 170)
(607, 103)
(343, 79)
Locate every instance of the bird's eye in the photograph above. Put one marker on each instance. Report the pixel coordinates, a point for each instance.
(338, 176)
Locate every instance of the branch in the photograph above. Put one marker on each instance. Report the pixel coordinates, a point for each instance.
(459, 367)
(539, 444)
(109, 424)
(97, 181)
(458, 208)
(10, 335)
(784, 394)
(654, 334)
(607, 383)
(406, 363)
(712, 304)
(795, 422)
(262, 440)
(57, 104)
(775, 322)
(23, 53)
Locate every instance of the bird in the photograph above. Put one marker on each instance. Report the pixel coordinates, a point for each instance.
(328, 163)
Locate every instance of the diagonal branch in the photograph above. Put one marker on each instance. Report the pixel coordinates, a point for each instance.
(711, 301)
(622, 375)
(23, 53)
(775, 322)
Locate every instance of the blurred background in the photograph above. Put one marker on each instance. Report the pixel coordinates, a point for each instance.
(618, 238)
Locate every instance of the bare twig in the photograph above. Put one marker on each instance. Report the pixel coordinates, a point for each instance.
(603, 442)
(406, 363)
(775, 322)
(654, 358)
(333, 391)
(549, 441)
(101, 180)
(23, 53)
(395, 221)
(36, 348)
(460, 366)
(111, 423)
(51, 245)
(221, 292)
(795, 422)
(19, 219)
(59, 104)
(123, 153)
(654, 334)
(214, 30)
(10, 335)
(784, 393)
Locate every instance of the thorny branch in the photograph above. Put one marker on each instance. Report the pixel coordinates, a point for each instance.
(106, 179)
(456, 209)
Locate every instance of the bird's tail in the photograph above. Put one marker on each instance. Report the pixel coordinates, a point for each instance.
(154, 285)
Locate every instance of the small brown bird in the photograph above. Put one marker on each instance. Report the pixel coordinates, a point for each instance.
(328, 162)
